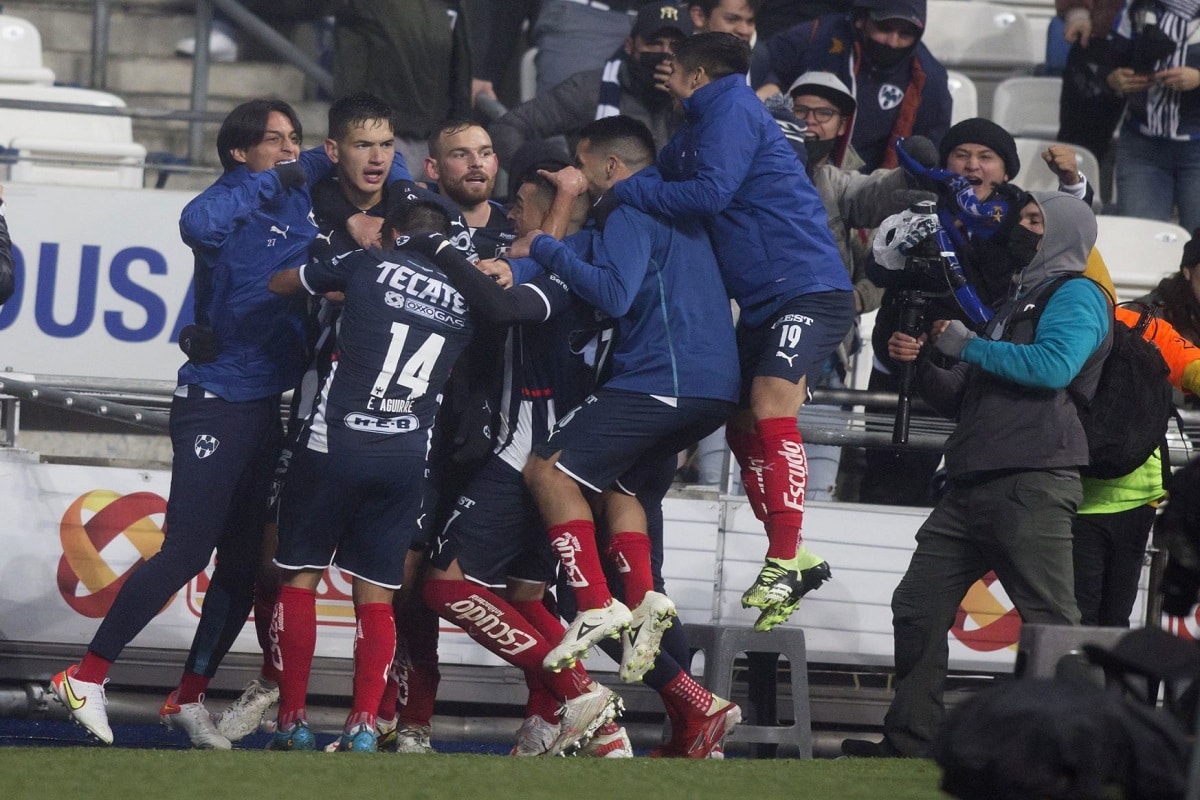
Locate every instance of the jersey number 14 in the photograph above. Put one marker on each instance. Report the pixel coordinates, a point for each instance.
(417, 369)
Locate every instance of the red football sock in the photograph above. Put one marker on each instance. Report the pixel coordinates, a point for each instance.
(266, 593)
(417, 632)
(575, 544)
(93, 668)
(541, 701)
(630, 551)
(748, 450)
(493, 623)
(294, 638)
(785, 479)
(374, 647)
(684, 697)
(191, 688)
(542, 619)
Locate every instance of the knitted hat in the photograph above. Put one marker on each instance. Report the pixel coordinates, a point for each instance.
(827, 86)
(978, 130)
(1191, 251)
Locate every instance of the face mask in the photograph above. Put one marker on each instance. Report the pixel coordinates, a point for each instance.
(817, 150)
(1022, 246)
(883, 57)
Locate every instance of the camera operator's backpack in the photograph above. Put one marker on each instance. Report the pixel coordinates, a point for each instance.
(1126, 420)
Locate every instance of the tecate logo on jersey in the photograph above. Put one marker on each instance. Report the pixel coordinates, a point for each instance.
(387, 425)
(436, 314)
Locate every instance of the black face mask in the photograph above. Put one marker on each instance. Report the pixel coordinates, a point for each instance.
(1022, 246)
(818, 149)
(880, 56)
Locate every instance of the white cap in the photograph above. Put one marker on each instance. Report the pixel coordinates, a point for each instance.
(826, 85)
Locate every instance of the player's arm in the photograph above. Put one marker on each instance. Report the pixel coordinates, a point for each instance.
(531, 302)
(209, 219)
(725, 149)
(611, 280)
(315, 277)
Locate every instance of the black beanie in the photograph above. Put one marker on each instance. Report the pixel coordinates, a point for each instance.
(978, 130)
(1191, 251)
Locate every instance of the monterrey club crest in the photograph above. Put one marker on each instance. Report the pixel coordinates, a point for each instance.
(890, 96)
(205, 445)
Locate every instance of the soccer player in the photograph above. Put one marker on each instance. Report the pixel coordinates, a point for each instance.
(353, 495)
(673, 381)
(730, 165)
(464, 165)
(225, 427)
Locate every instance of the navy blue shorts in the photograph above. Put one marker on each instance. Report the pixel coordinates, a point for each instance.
(495, 532)
(798, 340)
(358, 513)
(612, 430)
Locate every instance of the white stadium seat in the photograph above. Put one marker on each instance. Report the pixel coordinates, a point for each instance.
(1036, 176)
(21, 53)
(1139, 252)
(1027, 106)
(964, 97)
(980, 34)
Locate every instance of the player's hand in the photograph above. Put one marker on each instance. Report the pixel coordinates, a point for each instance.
(1181, 79)
(365, 230)
(291, 174)
(1063, 162)
(521, 247)
(903, 348)
(567, 179)
(498, 269)
(335, 297)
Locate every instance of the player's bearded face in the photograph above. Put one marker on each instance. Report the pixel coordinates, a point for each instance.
(467, 167)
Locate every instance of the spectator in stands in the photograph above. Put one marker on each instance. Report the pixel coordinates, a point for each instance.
(625, 85)
(725, 16)
(854, 203)
(1158, 152)
(7, 274)
(1088, 110)
(577, 36)
(414, 54)
(223, 40)
(776, 16)
(986, 154)
(1179, 294)
(1011, 462)
(901, 89)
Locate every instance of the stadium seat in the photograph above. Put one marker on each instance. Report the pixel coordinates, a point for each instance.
(21, 53)
(964, 97)
(1028, 106)
(1139, 252)
(528, 75)
(979, 34)
(1036, 176)
(68, 148)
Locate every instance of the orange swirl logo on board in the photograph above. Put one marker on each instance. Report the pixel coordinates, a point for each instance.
(994, 626)
(86, 581)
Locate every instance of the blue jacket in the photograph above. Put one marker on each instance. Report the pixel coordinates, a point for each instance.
(242, 229)
(660, 282)
(830, 44)
(730, 165)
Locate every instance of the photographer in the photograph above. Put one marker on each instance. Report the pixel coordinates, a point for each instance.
(1011, 462)
(1158, 152)
(986, 155)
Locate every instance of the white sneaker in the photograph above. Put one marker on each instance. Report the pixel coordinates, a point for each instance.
(85, 701)
(640, 644)
(588, 628)
(414, 739)
(244, 715)
(610, 741)
(194, 720)
(580, 717)
(534, 737)
(222, 48)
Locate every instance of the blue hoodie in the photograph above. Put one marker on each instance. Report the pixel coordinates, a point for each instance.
(730, 165)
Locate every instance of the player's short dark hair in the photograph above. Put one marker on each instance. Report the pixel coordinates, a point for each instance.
(530, 175)
(418, 215)
(448, 128)
(720, 54)
(246, 126)
(625, 137)
(355, 109)
(709, 6)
